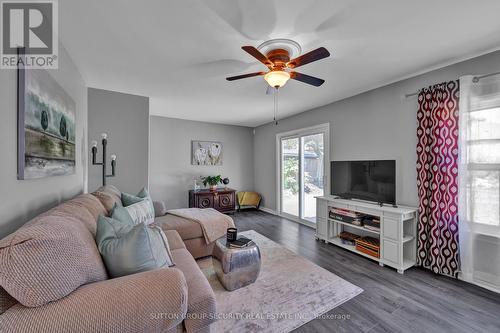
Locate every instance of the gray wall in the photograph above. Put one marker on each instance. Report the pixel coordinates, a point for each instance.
(172, 174)
(379, 124)
(125, 118)
(20, 200)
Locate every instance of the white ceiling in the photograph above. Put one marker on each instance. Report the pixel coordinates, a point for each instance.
(179, 52)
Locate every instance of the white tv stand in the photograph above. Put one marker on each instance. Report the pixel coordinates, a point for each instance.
(398, 230)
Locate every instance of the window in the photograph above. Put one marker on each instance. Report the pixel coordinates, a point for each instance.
(483, 166)
(479, 181)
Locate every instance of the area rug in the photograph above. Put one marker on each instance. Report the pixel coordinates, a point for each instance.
(289, 292)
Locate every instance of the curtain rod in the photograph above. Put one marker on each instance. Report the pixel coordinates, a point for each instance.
(475, 79)
(412, 94)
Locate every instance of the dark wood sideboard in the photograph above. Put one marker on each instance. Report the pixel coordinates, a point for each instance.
(223, 199)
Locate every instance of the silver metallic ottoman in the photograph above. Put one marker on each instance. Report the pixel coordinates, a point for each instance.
(235, 267)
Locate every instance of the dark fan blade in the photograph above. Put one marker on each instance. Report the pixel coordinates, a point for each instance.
(309, 57)
(257, 55)
(306, 79)
(244, 76)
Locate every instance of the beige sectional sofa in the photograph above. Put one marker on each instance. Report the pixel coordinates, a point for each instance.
(189, 231)
(53, 279)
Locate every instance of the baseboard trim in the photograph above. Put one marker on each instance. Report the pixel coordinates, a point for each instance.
(483, 284)
(268, 210)
(296, 220)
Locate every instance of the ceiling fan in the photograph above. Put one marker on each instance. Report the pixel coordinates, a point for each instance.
(279, 64)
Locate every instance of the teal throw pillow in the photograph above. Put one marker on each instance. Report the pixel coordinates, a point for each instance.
(121, 214)
(127, 248)
(130, 199)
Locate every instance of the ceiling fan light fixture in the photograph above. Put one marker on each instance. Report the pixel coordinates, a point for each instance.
(277, 78)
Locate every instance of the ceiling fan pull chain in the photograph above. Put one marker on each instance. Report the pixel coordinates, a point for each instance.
(276, 112)
(275, 95)
(274, 107)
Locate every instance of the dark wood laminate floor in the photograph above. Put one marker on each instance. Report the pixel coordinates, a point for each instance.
(418, 301)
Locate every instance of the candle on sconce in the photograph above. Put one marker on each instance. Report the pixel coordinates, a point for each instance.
(104, 136)
(94, 151)
(113, 164)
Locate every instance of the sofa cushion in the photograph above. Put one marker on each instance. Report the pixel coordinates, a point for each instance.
(149, 302)
(129, 248)
(109, 196)
(49, 258)
(187, 229)
(85, 208)
(174, 240)
(198, 247)
(160, 208)
(108, 199)
(201, 298)
(111, 189)
(6, 301)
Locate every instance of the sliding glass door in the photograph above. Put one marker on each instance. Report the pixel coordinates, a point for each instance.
(312, 174)
(302, 172)
(290, 165)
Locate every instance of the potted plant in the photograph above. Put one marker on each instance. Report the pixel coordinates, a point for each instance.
(213, 181)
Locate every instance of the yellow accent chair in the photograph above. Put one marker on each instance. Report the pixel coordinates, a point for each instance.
(248, 200)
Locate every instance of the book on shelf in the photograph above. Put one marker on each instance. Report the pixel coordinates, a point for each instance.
(368, 245)
(342, 218)
(345, 212)
(357, 222)
(346, 216)
(372, 228)
(347, 219)
(348, 238)
(371, 221)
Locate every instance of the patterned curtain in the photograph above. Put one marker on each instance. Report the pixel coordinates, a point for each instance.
(437, 178)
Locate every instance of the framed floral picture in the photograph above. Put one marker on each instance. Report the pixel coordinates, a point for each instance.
(206, 153)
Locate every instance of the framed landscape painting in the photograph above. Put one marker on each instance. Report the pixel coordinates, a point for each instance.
(206, 153)
(46, 126)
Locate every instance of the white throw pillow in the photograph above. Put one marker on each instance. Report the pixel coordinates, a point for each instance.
(141, 212)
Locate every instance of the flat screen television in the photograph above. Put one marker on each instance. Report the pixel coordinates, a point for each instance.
(365, 180)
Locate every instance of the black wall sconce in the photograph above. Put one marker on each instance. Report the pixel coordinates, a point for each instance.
(104, 141)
